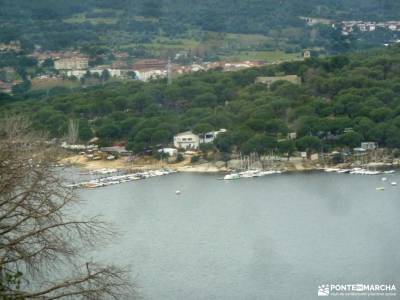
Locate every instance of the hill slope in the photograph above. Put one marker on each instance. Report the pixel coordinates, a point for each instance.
(342, 101)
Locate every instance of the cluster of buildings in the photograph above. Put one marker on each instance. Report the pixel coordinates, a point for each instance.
(348, 27)
(317, 21)
(11, 46)
(78, 66)
(365, 26)
(219, 65)
(74, 64)
(147, 69)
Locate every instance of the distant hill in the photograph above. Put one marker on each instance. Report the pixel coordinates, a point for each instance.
(222, 13)
(55, 24)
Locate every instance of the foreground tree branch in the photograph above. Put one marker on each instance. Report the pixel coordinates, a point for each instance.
(39, 239)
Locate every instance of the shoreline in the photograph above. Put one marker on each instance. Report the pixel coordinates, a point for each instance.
(207, 167)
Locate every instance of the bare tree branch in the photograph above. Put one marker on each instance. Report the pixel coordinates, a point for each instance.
(37, 235)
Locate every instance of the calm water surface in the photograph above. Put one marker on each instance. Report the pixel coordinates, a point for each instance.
(275, 237)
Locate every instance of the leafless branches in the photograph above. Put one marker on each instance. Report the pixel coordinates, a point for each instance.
(37, 235)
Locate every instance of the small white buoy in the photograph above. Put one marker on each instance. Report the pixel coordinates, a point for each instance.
(384, 179)
(178, 192)
(394, 183)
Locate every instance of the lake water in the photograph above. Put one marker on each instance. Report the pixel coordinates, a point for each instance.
(276, 237)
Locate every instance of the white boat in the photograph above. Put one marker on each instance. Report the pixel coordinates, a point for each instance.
(249, 174)
(118, 179)
(232, 176)
(380, 188)
(389, 172)
(269, 172)
(356, 171)
(359, 171)
(393, 183)
(372, 172)
(330, 170)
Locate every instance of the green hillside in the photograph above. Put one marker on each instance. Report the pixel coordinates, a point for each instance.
(342, 101)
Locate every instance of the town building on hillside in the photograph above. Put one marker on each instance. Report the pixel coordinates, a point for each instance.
(186, 140)
(317, 21)
(147, 69)
(154, 64)
(116, 73)
(11, 46)
(369, 146)
(270, 80)
(72, 63)
(368, 26)
(148, 74)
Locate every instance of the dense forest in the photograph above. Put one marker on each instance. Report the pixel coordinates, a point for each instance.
(54, 24)
(342, 101)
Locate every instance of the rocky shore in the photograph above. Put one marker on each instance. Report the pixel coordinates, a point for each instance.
(292, 165)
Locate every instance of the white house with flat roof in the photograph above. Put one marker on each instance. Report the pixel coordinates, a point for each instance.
(186, 140)
(369, 145)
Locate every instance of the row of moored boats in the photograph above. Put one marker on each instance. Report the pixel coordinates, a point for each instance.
(250, 174)
(118, 179)
(358, 171)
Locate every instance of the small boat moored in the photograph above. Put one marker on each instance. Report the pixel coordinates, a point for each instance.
(232, 176)
(389, 172)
